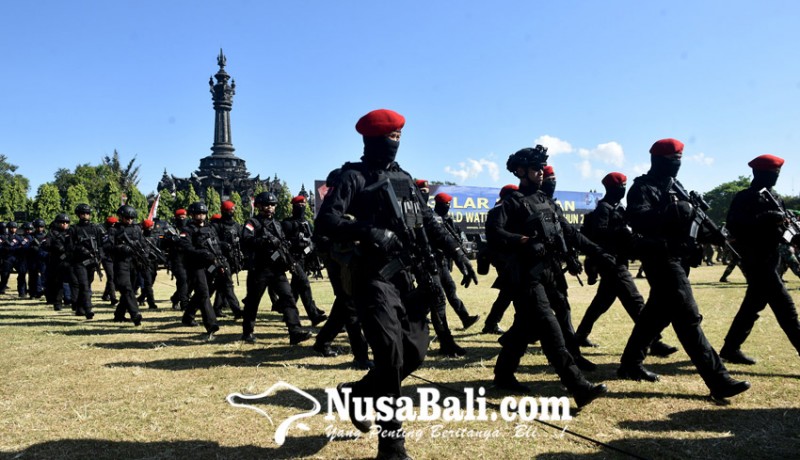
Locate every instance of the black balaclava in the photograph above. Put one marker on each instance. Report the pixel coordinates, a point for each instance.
(379, 151)
(615, 194)
(664, 167)
(548, 187)
(298, 212)
(763, 179)
(441, 208)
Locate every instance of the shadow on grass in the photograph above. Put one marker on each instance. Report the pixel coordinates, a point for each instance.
(99, 449)
(740, 433)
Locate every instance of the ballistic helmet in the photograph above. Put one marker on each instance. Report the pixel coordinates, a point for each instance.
(27, 226)
(11, 224)
(127, 211)
(83, 208)
(536, 156)
(39, 223)
(61, 218)
(266, 198)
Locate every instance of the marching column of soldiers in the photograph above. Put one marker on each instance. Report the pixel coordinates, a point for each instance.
(389, 258)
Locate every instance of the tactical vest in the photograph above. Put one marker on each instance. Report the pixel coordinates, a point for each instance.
(542, 224)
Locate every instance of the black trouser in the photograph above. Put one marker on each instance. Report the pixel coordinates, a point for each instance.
(301, 288)
(557, 296)
(199, 281)
(398, 338)
(181, 295)
(614, 284)
(764, 286)
(499, 307)
(125, 275)
(257, 281)
(35, 270)
(110, 291)
(21, 266)
(58, 273)
(82, 296)
(148, 277)
(534, 317)
(343, 313)
(450, 291)
(671, 302)
(225, 294)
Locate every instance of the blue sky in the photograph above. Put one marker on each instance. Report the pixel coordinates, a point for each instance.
(596, 82)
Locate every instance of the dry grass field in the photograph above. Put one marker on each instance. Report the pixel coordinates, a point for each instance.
(72, 388)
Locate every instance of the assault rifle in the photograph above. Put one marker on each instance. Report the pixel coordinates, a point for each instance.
(140, 254)
(282, 254)
(700, 219)
(415, 253)
(237, 256)
(95, 258)
(791, 228)
(220, 262)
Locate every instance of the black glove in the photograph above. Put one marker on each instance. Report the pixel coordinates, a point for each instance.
(605, 261)
(384, 240)
(771, 217)
(574, 266)
(207, 256)
(124, 250)
(536, 249)
(465, 267)
(796, 239)
(681, 210)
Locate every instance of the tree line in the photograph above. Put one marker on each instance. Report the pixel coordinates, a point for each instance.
(105, 187)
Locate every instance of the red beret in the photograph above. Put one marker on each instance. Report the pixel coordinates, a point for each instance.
(508, 189)
(421, 183)
(112, 220)
(442, 198)
(180, 212)
(766, 163)
(298, 199)
(216, 217)
(228, 206)
(614, 179)
(379, 123)
(667, 147)
(548, 171)
(147, 223)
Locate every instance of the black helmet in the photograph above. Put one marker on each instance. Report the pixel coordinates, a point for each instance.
(83, 208)
(127, 211)
(197, 208)
(39, 223)
(536, 156)
(27, 226)
(61, 218)
(266, 198)
(11, 224)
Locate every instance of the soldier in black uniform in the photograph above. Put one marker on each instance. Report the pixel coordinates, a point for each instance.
(441, 208)
(230, 234)
(13, 247)
(298, 232)
(147, 275)
(181, 296)
(203, 260)
(127, 247)
(58, 272)
(263, 240)
(343, 311)
(84, 243)
(607, 226)
(378, 212)
(526, 227)
(661, 220)
(36, 259)
(109, 292)
(758, 225)
(497, 258)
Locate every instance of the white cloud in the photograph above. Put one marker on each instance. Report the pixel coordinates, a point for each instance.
(700, 158)
(555, 146)
(473, 168)
(641, 168)
(610, 153)
(588, 171)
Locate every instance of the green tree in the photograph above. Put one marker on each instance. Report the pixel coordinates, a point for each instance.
(719, 198)
(108, 201)
(186, 197)
(284, 208)
(138, 201)
(166, 205)
(75, 195)
(239, 212)
(13, 190)
(127, 176)
(213, 201)
(47, 202)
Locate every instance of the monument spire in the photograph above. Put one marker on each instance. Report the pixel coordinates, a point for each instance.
(222, 95)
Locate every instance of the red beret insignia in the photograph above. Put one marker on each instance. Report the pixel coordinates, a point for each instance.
(614, 179)
(380, 122)
(442, 198)
(667, 147)
(766, 163)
